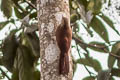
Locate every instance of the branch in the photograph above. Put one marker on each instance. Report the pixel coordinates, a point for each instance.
(89, 45)
(4, 73)
(32, 5)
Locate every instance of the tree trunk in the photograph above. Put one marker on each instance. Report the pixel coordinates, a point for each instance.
(50, 13)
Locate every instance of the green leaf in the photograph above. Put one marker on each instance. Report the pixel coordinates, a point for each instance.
(105, 1)
(36, 75)
(6, 7)
(3, 24)
(94, 63)
(9, 50)
(109, 22)
(83, 61)
(111, 61)
(74, 5)
(100, 47)
(33, 42)
(118, 63)
(99, 27)
(18, 13)
(73, 18)
(91, 5)
(83, 2)
(89, 78)
(91, 63)
(95, 6)
(25, 63)
(109, 3)
(33, 15)
(115, 50)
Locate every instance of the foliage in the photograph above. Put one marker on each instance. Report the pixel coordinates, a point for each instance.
(92, 19)
(20, 48)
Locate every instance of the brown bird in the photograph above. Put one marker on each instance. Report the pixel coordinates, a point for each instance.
(64, 37)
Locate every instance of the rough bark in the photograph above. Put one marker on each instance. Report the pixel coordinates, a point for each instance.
(50, 14)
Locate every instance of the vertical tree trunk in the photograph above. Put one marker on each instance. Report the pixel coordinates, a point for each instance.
(50, 14)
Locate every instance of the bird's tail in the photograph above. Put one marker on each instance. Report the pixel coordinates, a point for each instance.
(64, 64)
